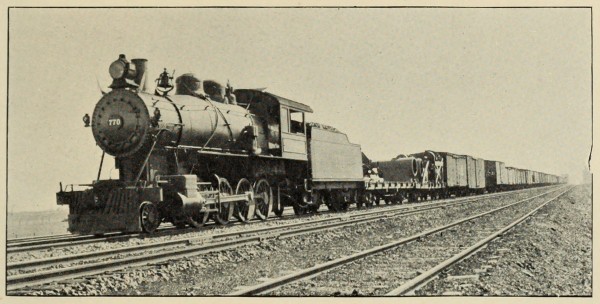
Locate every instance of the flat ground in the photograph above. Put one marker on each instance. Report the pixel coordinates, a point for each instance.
(27, 224)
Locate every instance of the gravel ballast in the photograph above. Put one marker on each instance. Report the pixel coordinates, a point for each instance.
(380, 273)
(548, 255)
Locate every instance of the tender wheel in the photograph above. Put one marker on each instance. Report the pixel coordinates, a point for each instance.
(225, 209)
(359, 200)
(305, 202)
(337, 201)
(242, 209)
(331, 201)
(263, 197)
(149, 217)
(346, 199)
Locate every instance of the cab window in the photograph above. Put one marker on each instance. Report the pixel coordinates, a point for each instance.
(297, 121)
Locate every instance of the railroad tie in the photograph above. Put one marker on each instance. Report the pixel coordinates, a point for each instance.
(463, 277)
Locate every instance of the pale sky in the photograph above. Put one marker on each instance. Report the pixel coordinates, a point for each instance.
(503, 84)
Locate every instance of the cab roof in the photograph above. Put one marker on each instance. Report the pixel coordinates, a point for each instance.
(294, 105)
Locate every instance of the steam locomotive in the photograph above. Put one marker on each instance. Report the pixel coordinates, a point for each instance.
(212, 152)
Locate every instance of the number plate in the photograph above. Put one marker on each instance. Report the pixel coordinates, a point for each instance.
(115, 121)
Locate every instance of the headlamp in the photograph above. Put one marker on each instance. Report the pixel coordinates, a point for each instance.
(117, 69)
(121, 69)
(123, 73)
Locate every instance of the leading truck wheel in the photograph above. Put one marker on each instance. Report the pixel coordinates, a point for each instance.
(225, 209)
(263, 197)
(149, 217)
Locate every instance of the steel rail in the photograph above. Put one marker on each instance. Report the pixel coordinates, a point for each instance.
(276, 283)
(415, 283)
(197, 246)
(40, 243)
(90, 239)
(347, 219)
(35, 238)
(344, 217)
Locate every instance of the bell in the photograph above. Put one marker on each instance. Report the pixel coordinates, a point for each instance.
(164, 83)
(164, 80)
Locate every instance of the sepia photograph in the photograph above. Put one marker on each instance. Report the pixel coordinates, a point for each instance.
(430, 152)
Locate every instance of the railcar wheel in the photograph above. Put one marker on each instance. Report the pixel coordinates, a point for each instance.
(242, 209)
(225, 209)
(263, 197)
(376, 199)
(149, 217)
(368, 199)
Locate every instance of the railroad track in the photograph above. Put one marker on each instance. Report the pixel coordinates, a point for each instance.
(26, 273)
(65, 240)
(393, 255)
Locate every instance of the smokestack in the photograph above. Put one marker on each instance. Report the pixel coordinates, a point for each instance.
(141, 70)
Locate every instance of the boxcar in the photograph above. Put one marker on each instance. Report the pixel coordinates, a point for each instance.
(492, 174)
(455, 173)
(475, 174)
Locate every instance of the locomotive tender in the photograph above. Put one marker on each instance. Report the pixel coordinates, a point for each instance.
(211, 152)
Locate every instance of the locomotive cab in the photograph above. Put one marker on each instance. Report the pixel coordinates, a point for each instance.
(283, 131)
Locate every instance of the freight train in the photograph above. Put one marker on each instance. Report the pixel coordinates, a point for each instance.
(212, 152)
